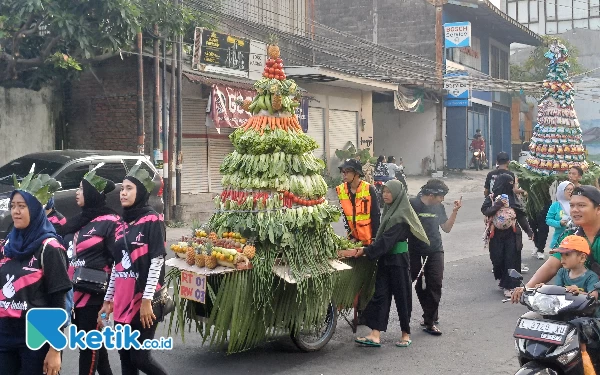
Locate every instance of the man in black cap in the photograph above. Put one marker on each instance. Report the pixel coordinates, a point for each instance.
(359, 203)
(502, 161)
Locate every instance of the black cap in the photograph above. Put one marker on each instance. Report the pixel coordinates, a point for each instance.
(352, 164)
(590, 192)
(502, 157)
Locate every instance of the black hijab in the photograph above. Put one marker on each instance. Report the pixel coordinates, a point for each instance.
(94, 206)
(140, 207)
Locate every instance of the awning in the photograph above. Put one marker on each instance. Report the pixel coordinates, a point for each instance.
(335, 77)
(484, 15)
(210, 79)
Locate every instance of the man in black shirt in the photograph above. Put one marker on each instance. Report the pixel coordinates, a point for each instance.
(502, 161)
(427, 261)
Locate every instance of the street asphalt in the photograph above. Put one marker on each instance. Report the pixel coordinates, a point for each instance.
(477, 327)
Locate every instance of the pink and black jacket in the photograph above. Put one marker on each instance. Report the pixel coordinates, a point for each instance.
(139, 266)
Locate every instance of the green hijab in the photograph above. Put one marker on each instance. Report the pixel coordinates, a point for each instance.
(400, 211)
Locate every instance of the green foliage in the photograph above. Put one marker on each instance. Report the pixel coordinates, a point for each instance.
(331, 181)
(36, 35)
(534, 69)
(350, 152)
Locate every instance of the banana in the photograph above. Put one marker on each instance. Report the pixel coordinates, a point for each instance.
(261, 102)
(268, 103)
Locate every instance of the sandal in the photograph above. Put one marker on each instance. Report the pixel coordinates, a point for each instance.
(367, 342)
(433, 330)
(404, 343)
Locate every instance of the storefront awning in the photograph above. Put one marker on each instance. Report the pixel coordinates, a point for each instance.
(210, 79)
(333, 77)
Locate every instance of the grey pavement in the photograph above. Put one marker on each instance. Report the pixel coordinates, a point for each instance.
(477, 326)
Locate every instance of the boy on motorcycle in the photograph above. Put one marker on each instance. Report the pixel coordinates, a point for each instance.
(478, 144)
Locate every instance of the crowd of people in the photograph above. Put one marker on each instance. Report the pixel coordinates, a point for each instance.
(45, 256)
(406, 242)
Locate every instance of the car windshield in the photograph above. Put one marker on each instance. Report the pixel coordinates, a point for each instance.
(21, 167)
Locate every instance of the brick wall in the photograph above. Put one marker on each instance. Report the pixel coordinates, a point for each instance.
(404, 25)
(102, 112)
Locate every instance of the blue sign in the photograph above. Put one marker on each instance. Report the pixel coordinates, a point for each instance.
(457, 34)
(456, 103)
(457, 89)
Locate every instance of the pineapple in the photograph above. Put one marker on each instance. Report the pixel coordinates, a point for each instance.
(200, 260)
(190, 256)
(273, 50)
(210, 261)
(249, 251)
(246, 105)
(276, 102)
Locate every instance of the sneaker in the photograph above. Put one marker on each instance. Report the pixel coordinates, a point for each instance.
(540, 256)
(508, 293)
(524, 268)
(534, 253)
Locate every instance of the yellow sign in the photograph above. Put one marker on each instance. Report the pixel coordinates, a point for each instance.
(193, 287)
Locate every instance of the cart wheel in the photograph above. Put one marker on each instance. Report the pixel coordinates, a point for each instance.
(314, 341)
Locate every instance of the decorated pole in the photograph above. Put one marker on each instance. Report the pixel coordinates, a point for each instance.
(556, 144)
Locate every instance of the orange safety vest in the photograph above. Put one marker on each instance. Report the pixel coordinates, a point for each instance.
(359, 214)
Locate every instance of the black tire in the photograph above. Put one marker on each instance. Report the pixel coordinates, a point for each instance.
(315, 343)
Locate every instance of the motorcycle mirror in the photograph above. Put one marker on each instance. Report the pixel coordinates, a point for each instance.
(514, 274)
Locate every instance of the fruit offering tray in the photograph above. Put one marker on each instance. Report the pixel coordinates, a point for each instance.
(184, 266)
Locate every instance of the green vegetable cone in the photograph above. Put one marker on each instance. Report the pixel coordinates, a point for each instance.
(556, 144)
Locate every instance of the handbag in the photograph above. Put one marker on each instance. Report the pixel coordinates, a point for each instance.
(162, 302)
(89, 280)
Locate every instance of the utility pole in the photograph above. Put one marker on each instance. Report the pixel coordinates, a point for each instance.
(439, 60)
(172, 122)
(156, 155)
(140, 95)
(165, 132)
(179, 165)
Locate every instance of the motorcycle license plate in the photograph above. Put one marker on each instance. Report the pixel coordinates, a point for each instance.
(539, 330)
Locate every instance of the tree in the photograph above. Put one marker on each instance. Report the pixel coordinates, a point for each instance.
(534, 69)
(45, 39)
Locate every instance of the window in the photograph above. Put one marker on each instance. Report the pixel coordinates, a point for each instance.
(112, 171)
(21, 167)
(498, 62)
(71, 178)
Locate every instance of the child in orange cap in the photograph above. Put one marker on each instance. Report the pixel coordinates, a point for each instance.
(574, 276)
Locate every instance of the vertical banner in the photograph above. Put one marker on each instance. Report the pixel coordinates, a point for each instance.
(224, 109)
(302, 113)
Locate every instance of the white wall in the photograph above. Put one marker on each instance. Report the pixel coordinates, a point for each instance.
(408, 135)
(27, 121)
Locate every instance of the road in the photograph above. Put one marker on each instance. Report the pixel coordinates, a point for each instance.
(477, 328)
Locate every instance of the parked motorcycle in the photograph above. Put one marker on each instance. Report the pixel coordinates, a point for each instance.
(400, 176)
(546, 340)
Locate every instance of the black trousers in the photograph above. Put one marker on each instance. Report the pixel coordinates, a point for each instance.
(433, 274)
(90, 361)
(390, 281)
(23, 361)
(505, 254)
(540, 229)
(133, 361)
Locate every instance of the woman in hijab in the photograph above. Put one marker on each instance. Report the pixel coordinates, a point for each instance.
(33, 274)
(505, 220)
(559, 213)
(140, 249)
(91, 239)
(390, 249)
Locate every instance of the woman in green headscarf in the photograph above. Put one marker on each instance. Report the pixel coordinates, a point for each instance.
(393, 273)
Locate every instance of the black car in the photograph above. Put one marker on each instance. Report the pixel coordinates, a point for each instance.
(69, 167)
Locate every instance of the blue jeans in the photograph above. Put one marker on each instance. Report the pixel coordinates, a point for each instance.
(69, 306)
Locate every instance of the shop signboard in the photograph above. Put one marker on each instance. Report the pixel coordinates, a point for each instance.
(457, 34)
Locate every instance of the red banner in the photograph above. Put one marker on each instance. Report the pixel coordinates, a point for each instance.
(225, 112)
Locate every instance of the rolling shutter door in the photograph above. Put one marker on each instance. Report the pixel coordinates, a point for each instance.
(219, 146)
(316, 129)
(194, 145)
(343, 128)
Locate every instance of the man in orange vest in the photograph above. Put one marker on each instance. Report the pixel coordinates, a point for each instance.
(359, 203)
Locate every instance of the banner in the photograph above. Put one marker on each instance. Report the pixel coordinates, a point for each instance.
(224, 111)
(222, 50)
(302, 113)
